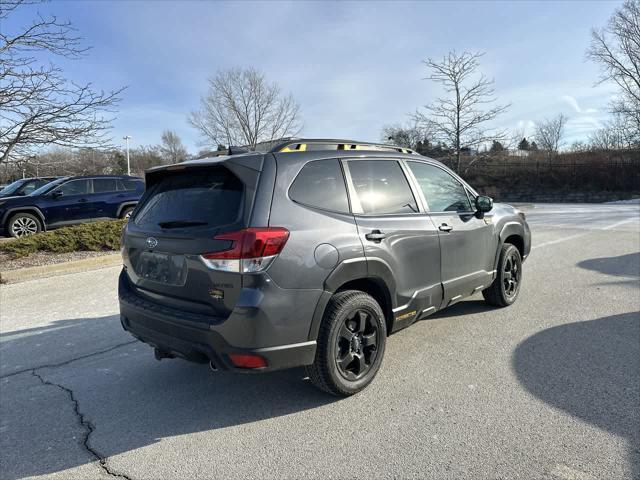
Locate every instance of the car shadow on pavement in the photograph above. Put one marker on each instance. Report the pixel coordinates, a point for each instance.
(621, 266)
(130, 399)
(58, 342)
(461, 309)
(590, 370)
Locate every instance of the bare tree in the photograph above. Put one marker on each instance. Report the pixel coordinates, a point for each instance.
(403, 136)
(615, 135)
(460, 119)
(38, 106)
(549, 133)
(514, 137)
(242, 108)
(145, 157)
(172, 149)
(617, 49)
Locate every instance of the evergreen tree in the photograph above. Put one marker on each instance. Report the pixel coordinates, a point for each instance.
(524, 144)
(120, 163)
(496, 147)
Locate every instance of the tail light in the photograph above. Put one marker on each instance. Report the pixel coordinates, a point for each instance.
(252, 250)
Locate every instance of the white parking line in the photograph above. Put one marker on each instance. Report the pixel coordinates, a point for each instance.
(572, 237)
(622, 222)
(559, 240)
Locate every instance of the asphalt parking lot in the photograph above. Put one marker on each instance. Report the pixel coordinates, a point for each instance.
(548, 388)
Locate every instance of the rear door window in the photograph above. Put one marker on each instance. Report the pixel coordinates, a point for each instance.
(321, 184)
(381, 187)
(209, 197)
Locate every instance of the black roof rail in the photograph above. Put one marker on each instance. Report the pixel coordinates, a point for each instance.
(311, 144)
(233, 150)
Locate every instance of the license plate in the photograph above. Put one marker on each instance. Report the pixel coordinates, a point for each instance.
(162, 267)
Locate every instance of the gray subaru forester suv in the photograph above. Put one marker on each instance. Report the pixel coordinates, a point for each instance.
(309, 254)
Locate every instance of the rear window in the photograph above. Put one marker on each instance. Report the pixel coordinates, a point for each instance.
(30, 187)
(321, 184)
(102, 185)
(193, 198)
(126, 184)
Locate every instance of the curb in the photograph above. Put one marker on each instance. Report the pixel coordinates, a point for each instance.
(74, 266)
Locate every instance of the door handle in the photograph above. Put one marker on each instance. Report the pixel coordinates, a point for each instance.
(375, 236)
(444, 227)
(83, 200)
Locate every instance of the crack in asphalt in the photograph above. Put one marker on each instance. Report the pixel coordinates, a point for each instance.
(67, 362)
(86, 424)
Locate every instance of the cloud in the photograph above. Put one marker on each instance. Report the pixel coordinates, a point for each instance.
(526, 126)
(573, 103)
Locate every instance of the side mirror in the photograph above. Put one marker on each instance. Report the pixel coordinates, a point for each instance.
(483, 203)
(57, 194)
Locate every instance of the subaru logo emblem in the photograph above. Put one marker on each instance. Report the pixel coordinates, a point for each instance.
(152, 242)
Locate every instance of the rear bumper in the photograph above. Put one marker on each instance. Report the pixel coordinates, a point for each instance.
(184, 337)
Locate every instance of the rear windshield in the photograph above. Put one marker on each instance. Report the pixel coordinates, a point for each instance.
(194, 198)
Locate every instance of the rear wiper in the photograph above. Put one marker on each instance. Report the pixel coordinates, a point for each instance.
(181, 223)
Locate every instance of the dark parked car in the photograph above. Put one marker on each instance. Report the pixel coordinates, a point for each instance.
(310, 254)
(68, 201)
(24, 186)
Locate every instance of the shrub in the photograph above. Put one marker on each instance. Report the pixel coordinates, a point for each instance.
(94, 237)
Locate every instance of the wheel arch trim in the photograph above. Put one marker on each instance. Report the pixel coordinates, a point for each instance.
(355, 270)
(125, 205)
(508, 229)
(33, 210)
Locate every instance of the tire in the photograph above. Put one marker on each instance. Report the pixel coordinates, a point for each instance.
(23, 225)
(506, 286)
(126, 212)
(351, 344)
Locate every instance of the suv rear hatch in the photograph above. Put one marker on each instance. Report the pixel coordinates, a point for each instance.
(184, 208)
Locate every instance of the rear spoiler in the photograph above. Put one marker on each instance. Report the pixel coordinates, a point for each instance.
(235, 164)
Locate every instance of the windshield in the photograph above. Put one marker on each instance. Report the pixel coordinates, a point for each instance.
(12, 187)
(45, 188)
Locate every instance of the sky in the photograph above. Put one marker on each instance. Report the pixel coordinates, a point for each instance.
(352, 66)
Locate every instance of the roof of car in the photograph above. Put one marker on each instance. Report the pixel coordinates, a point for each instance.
(102, 176)
(33, 178)
(254, 160)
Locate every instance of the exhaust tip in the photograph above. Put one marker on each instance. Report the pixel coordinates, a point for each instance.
(160, 354)
(212, 366)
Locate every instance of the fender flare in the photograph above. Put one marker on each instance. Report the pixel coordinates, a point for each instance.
(28, 209)
(359, 268)
(508, 229)
(125, 205)
(378, 268)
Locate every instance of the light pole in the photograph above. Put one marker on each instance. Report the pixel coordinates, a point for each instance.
(126, 138)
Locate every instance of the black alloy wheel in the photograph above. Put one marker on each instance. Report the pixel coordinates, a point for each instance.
(357, 344)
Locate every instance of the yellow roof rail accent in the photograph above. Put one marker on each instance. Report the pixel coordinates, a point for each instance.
(298, 147)
(307, 145)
